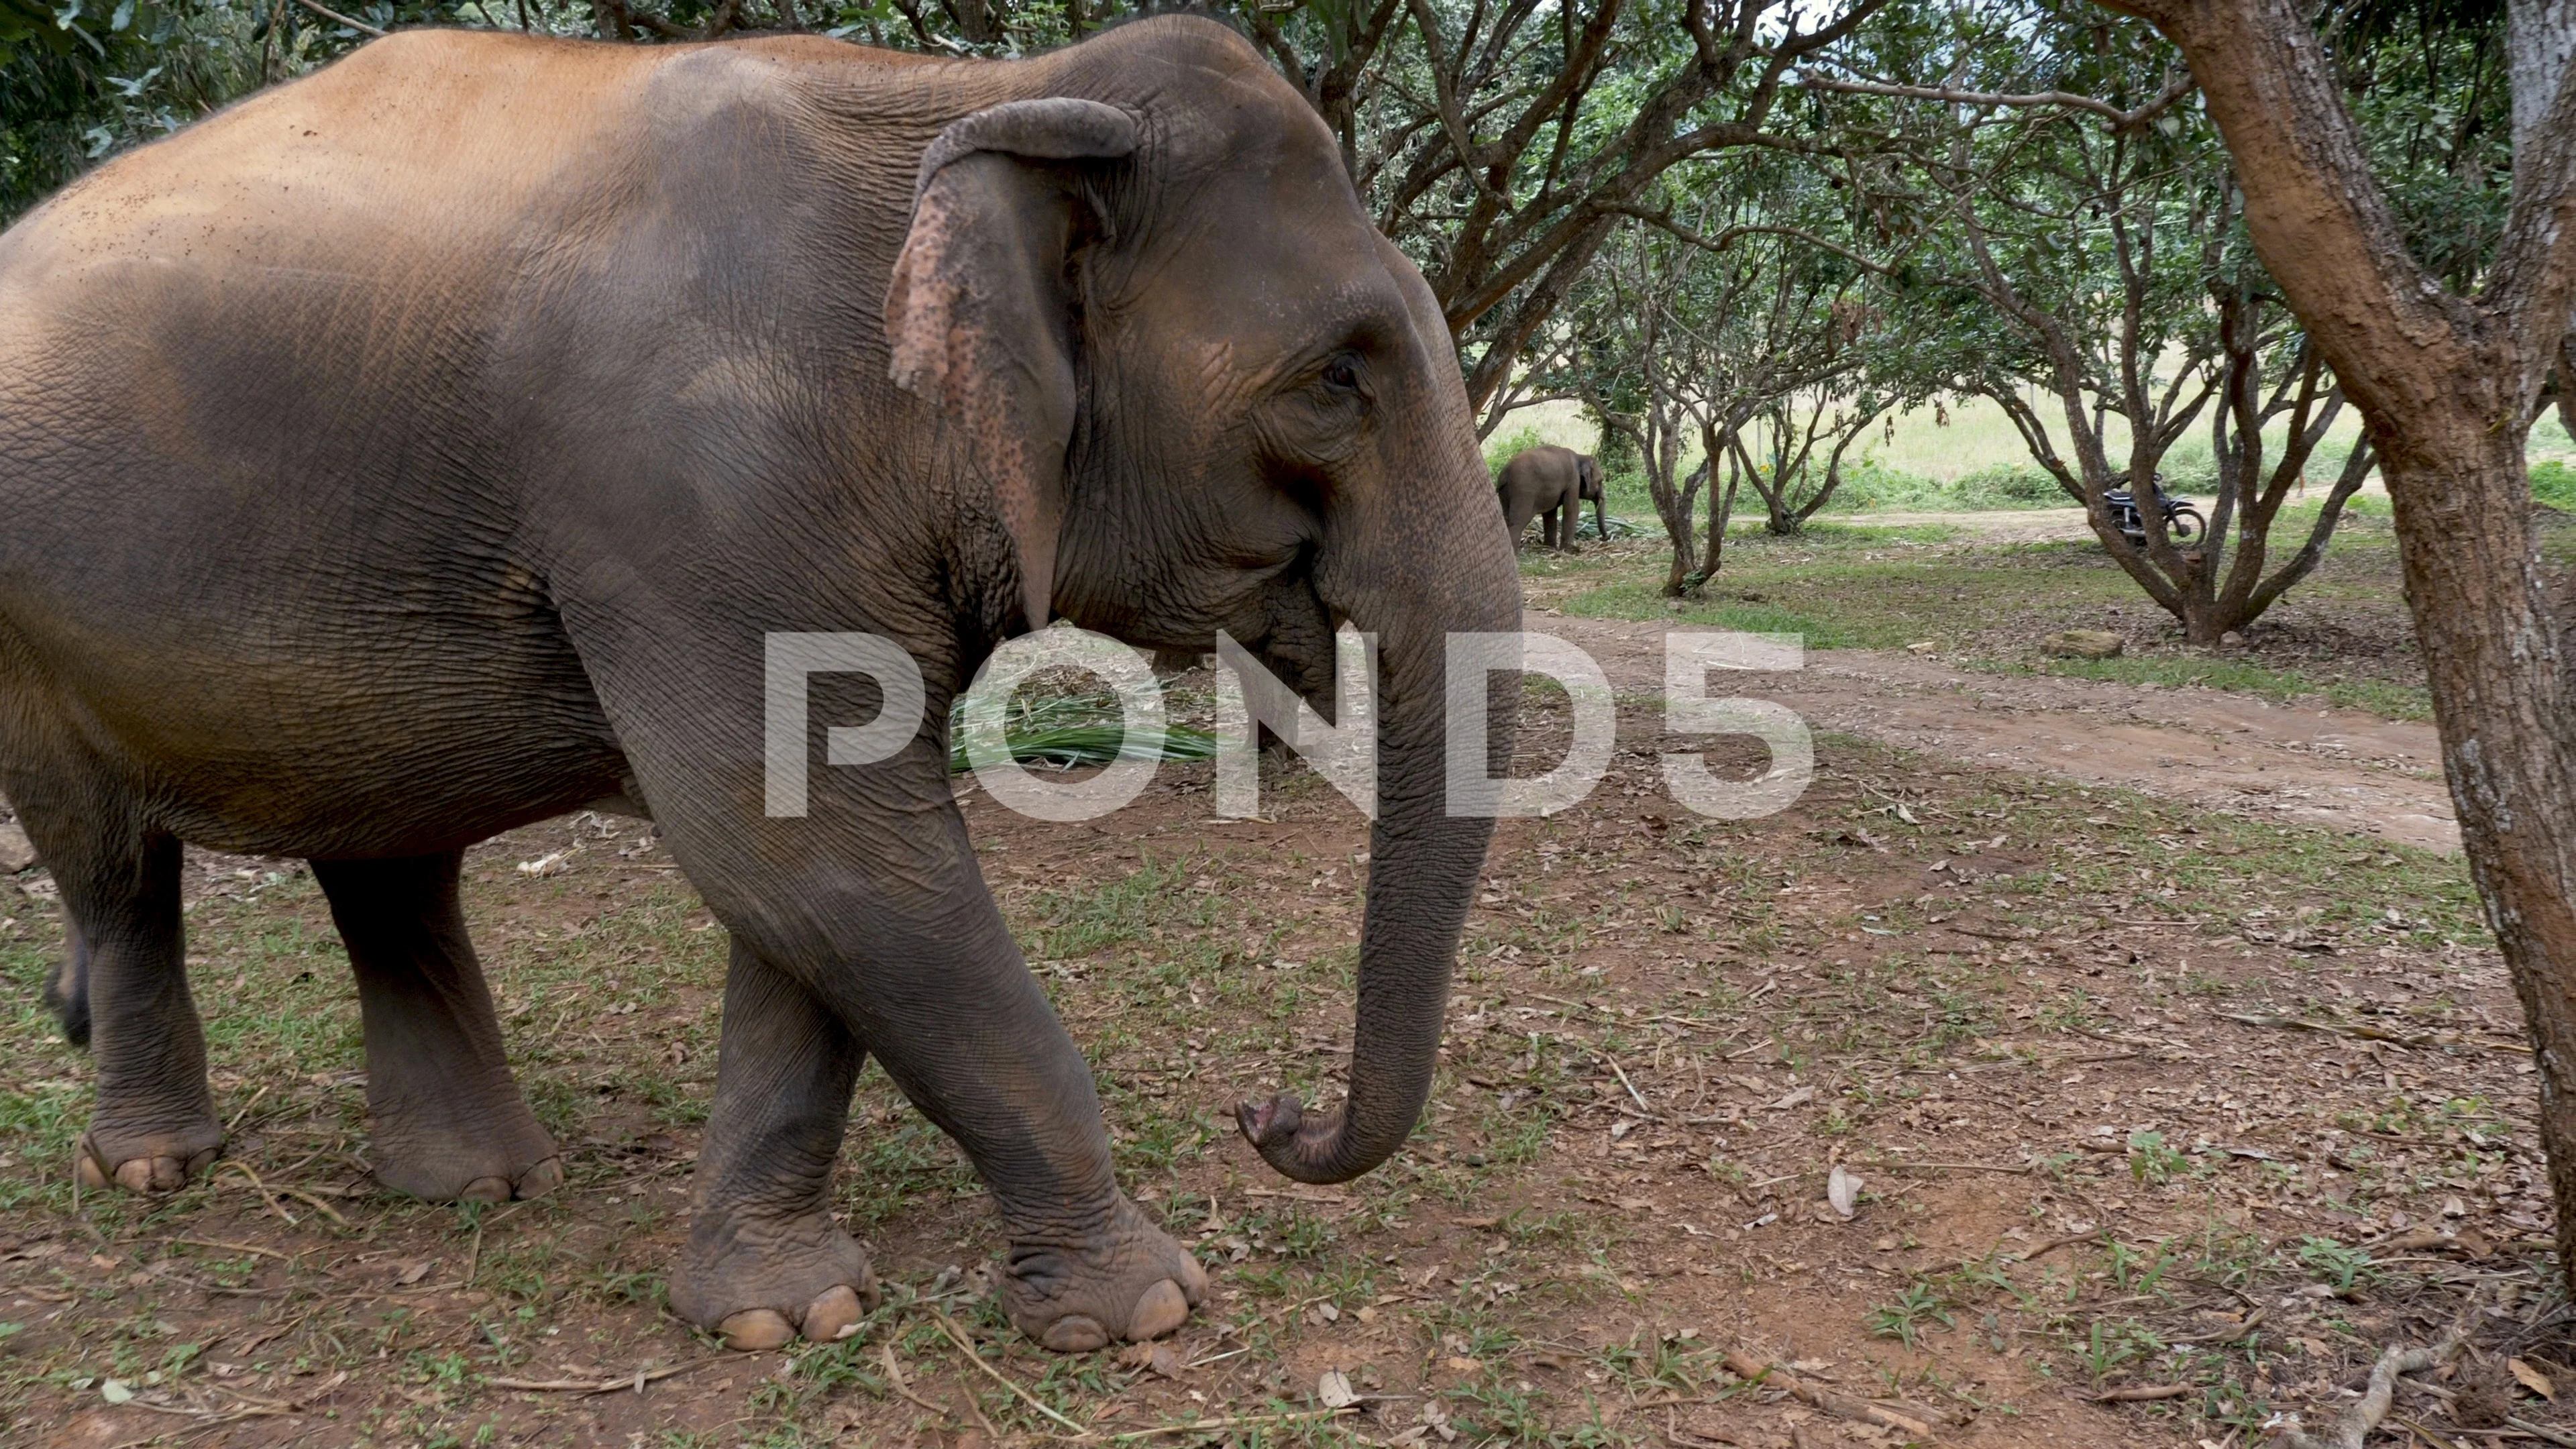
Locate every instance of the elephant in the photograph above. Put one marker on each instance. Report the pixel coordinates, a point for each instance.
(428, 447)
(1551, 482)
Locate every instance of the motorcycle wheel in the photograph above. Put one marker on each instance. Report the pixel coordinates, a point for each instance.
(2184, 524)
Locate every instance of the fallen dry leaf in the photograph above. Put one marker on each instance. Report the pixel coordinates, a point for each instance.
(1843, 1191)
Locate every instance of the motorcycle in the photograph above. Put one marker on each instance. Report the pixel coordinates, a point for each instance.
(2183, 522)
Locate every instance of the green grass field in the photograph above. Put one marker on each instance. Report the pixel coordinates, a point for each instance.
(1922, 455)
(2342, 637)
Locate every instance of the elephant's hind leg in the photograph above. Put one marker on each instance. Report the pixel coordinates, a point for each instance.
(448, 1120)
(764, 1258)
(126, 981)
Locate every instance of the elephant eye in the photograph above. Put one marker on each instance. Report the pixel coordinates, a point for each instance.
(1342, 374)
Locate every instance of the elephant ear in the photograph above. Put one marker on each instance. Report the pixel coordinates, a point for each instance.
(979, 313)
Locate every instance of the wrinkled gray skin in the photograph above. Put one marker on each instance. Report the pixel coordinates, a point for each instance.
(1552, 483)
(425, 448)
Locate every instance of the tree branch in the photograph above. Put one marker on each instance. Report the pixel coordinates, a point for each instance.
(2120, 120)
(337, 18)
(1662, 220)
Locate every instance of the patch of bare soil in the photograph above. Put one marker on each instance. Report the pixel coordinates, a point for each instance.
(2340, 769)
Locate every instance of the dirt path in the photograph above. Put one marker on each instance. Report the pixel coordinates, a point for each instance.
(2338, 768)
(1998, 525)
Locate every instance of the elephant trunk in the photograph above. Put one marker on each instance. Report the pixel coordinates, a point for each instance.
(1423, 862)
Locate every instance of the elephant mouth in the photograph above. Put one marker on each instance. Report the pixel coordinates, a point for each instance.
(1298, 648)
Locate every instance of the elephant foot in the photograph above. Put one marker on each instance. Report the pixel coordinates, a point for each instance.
(462, 1162)
(1127, 1281)
(758, 1284)
(162, 1161)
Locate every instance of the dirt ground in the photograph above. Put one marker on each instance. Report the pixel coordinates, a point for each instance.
(2159, 1106)
(2337, 768)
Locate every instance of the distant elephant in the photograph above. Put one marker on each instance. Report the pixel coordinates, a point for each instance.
(428, 447)
(1551, 482)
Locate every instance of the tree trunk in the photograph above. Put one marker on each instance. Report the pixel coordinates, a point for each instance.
(2500, 687)
(2540, 49)
(2565, 377)
(1681, 526)
(2447, 387)
(1721, 513)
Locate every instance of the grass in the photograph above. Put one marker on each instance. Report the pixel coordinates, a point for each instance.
(1962, 437)
(1072, 731)
(2387, 699)
(1844, 586)
(1641, 600)
(2342, 637)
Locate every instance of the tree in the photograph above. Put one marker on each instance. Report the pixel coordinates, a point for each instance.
(2078, 231)
(2448, 383)
(1513, 139)
(1630, 351)
(2542, 49)
(2230, 590)
(1715, 319)
(1776, 451)
(1786, 357)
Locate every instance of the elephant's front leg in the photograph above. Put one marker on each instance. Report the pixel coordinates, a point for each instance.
(963, 1029)
(764, 1258)
(969, 1036)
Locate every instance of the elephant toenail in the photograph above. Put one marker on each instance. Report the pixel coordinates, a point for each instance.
(198, 1164)
(485, 1189)
(1159, 1310)
(93, 1178)
(169, 1174)
(755, 1329)
(541, 1179)
(135, 1174)
(1194, 1280)
(833, 1316)
(1076, 1333)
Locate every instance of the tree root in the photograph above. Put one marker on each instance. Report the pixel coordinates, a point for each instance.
(2362, 1417)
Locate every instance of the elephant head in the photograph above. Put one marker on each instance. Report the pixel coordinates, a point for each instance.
(1587, 474)
(1209, 395)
